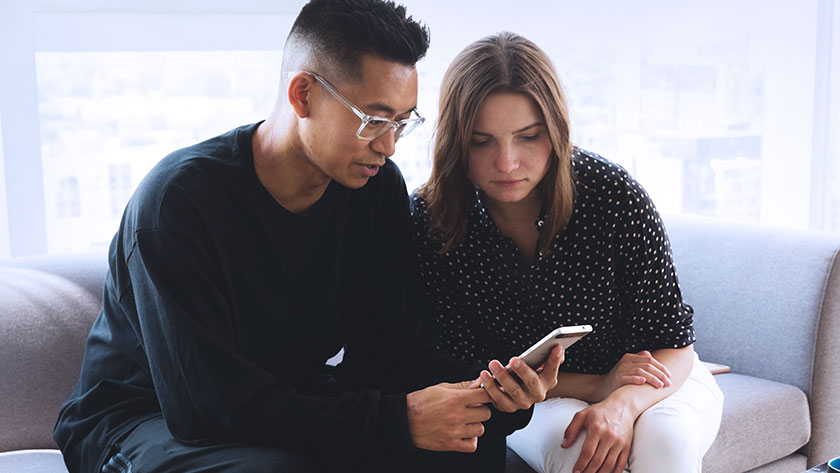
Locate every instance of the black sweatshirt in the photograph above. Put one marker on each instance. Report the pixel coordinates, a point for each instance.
(221, 307)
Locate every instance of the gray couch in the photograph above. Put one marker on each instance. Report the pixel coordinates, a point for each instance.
(767, 303)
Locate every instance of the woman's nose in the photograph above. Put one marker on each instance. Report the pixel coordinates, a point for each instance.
(507, 161)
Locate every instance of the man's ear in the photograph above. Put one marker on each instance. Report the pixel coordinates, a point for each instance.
(298, 94)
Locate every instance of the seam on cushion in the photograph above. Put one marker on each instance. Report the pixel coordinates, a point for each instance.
(834, 265)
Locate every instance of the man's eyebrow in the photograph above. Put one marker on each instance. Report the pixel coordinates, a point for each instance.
(386, 109)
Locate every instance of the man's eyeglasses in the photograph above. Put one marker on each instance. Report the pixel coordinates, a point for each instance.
(372, 127)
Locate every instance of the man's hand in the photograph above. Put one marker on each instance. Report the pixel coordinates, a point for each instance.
(513, 395)
(636, 368)
(609, 435)
(448, 417)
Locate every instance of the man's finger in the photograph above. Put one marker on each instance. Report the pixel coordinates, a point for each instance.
(467, 445)
(500, 399)
(511, 386)
(475, 396)
(480, 413)
(475, 429)
(468, 384)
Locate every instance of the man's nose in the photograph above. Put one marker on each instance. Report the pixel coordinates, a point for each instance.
(385, 144)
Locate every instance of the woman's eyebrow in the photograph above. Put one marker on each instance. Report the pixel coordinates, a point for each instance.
(514, 132)
(528, 127)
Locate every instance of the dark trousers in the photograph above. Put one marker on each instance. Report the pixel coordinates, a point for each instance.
(150, 448)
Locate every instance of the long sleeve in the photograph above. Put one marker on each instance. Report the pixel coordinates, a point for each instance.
(207, 390)
(399, 345)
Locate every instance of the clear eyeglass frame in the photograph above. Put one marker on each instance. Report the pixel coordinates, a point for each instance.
(372, 126)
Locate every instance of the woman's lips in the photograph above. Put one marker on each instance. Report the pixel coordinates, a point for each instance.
(508, 183)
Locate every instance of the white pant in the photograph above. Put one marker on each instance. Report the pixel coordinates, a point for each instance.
(672, 435)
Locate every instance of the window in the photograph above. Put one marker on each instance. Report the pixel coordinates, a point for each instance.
(726, 115)
(4, 215)
(108, 117)
(67, 199)
(713, 113)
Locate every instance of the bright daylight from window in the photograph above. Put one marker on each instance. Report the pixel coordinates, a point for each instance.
(714, 115)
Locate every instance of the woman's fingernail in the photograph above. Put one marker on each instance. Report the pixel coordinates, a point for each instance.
(516, 363)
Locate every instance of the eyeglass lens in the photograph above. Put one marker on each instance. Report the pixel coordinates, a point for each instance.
(376, 127)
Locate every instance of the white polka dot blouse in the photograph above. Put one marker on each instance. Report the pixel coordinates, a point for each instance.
(611, 267)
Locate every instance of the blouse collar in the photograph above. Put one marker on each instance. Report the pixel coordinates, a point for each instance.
(486, 221)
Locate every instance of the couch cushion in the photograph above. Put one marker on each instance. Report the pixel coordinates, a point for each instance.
(45, 320)
(32, 461)
(763, 421)
(757, 294)
(795, 463)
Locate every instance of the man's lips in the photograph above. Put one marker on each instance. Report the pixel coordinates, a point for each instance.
(370, 169)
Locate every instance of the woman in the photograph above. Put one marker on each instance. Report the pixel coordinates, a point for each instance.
(520, 232)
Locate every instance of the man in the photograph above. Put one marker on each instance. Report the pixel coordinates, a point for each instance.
(244, 262)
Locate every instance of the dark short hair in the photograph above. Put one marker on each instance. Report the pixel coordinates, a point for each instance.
(335, 34)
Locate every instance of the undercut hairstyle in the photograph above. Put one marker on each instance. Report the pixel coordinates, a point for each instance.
(331, 37)
(503, 62)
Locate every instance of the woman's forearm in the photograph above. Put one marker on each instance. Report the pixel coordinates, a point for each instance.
(592, 388)
(585, 387)
(638, 398)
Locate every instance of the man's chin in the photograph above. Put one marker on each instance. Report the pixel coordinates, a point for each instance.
(353, 182)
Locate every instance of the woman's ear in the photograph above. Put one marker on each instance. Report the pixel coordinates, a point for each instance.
(298, 94)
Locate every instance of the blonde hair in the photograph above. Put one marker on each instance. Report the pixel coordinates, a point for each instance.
(500, 62)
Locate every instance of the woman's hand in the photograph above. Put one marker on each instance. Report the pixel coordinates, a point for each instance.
(514, 395)
(636, 368)
(609, 435)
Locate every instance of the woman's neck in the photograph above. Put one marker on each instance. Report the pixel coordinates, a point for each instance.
(520, 214)
(515, 220)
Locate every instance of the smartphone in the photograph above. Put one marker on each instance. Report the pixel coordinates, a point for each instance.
(566, 336)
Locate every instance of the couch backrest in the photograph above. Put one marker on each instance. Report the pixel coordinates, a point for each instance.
(45, 316)
(758, 294)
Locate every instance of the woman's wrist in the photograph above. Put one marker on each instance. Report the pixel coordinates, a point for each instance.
(625, 400)
(601, 390)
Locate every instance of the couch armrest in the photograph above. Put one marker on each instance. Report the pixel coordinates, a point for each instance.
(825, 383)
(767, 303)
